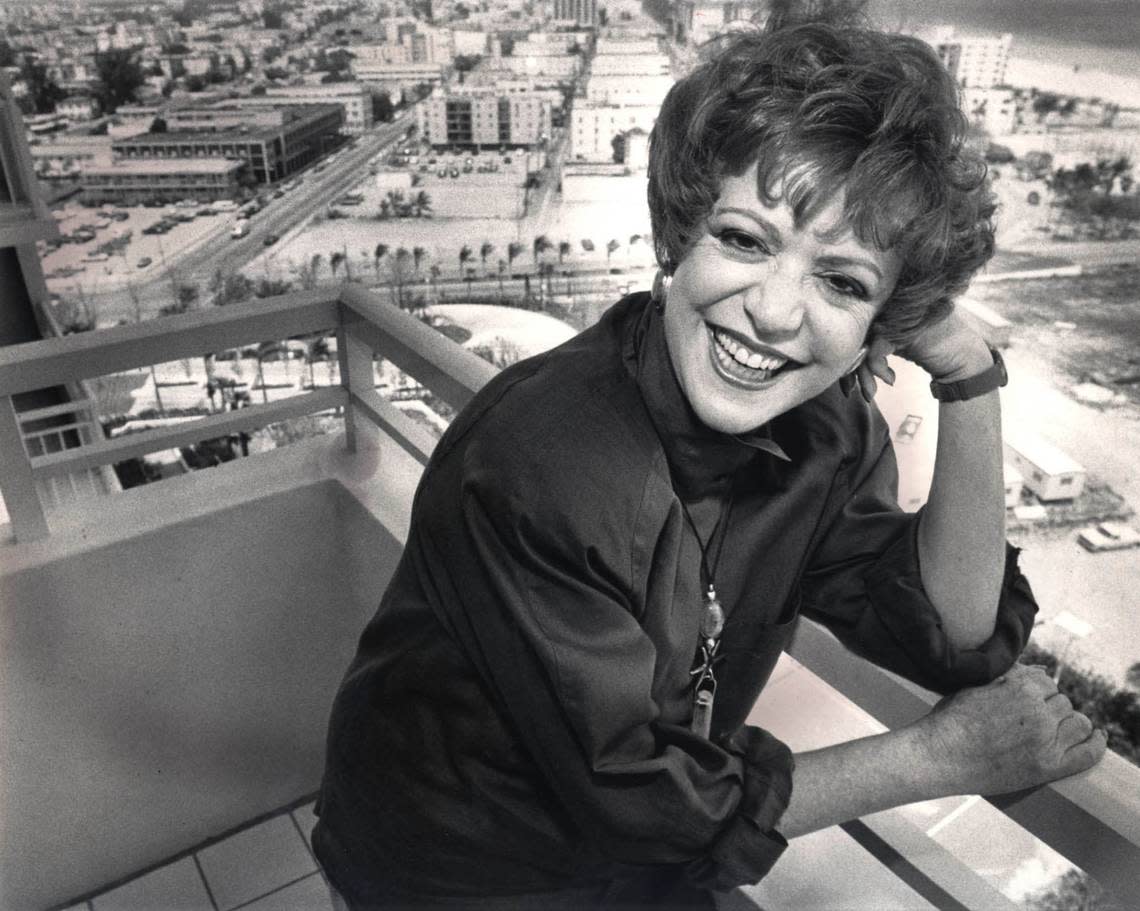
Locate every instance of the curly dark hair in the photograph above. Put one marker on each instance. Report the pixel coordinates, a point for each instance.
(823, 109)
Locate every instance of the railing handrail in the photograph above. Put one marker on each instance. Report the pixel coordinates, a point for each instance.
(1093, 818)
(55, 361)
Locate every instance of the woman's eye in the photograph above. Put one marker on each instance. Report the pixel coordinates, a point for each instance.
(846, 286)
(745, 243)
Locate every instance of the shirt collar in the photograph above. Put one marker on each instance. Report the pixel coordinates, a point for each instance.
(701, 460)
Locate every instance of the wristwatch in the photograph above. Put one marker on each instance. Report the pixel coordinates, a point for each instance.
(988, 380)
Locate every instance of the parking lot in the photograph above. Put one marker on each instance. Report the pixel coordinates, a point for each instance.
(103, 247)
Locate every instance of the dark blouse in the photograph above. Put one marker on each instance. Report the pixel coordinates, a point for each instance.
(516, 719)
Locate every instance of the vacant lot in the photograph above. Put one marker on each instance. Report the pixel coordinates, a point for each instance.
(1083, 328)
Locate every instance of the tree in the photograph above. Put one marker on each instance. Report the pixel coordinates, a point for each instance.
(195, 83)
(540, 245)
(464, 63)
(158, 125)
(42, 89)
(382, 108)
(7, 55)
(611, 247)
(271, 18)
(1074, 891)
(465, 255)
(118, 78)
(514, 249)
(418, 254)
(377, 257)
(421, 204)
(335, 259)
(484, 251)
(563, 250)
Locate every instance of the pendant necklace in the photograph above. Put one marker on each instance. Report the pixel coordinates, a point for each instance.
(712, 620)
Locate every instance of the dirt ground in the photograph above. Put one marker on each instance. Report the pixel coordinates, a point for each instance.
(1086, 328)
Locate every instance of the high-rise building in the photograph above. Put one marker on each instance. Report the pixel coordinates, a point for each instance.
(579, 12)
(976, 63)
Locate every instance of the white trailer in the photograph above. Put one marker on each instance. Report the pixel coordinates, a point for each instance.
(1047, 471)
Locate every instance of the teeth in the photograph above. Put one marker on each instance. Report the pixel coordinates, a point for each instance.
(746, 357)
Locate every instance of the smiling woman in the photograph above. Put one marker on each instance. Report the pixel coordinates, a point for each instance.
(611, 544)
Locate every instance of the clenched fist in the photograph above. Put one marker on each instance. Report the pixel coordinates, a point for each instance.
(1014, 733)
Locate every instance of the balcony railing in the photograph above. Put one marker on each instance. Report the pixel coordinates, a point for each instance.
(1093, 819)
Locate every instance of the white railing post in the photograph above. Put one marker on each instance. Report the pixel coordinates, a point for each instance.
(16, 481)
(356, 376)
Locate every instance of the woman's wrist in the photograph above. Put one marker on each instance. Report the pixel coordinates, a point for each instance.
(973, 359)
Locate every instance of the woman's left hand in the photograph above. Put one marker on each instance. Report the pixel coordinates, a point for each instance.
(948, 350)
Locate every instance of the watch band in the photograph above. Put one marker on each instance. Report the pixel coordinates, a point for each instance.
(988, 380)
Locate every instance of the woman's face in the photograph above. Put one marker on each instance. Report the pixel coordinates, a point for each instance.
(761, 315)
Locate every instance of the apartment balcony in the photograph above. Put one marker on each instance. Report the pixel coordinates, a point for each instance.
(171, 651)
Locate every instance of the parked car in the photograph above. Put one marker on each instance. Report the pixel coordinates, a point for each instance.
(1109, 536)
(144, 262)
(270, 240)
(241, 229)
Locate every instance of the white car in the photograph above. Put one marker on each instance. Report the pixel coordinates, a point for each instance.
(1109, 536)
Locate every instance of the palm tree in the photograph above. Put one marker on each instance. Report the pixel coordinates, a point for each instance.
(315, 264)
(395, 200)
(378, 254)
(513, 250)
(465, 255)
(563, 250)
(484, 251)
(335, 259)
(611, 246)
(399, 273)
(502, 269)
(422, 204)
(541, 245)
(435, 272)
(587, 245)
(418, 254)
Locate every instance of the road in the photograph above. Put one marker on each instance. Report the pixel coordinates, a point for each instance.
(222, 252)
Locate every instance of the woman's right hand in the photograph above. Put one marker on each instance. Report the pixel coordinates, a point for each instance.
(1014, 733)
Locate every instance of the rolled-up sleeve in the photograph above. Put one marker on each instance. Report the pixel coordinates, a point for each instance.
(545, 613)
(864, 583)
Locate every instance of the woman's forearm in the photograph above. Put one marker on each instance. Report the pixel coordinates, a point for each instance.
(857, 777)
(961, 535)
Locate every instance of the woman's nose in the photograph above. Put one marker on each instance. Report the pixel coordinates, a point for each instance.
(774, 303)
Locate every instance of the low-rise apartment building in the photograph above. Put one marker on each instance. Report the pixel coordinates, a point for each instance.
(478, 116)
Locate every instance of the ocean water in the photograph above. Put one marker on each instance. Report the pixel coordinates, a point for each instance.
(1088, 47)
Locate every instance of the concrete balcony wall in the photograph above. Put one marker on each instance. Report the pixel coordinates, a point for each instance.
(169, 662)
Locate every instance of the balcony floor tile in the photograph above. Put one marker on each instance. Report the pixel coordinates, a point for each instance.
(308, 894)
(255, 862)
(176, 886)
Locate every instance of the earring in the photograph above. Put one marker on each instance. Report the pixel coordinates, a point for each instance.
(858, 360)
(660, 291)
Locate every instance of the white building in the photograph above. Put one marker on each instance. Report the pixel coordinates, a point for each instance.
(621, 89)
(576, 12)
(594, 127)
(699, 20)
(477, 116)
(978, 62)
(355, 98)
(1047, 471)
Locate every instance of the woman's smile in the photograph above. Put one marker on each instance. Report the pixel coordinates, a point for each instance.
(741, 363)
